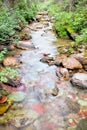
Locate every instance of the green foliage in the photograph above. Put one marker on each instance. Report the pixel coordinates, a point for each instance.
(2, 53)
(8, 24)
(72, 16)
(10, 19)
(8, 72)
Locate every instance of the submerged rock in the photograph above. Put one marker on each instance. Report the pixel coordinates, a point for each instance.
(4, 107)
(82, 102)
(73, 106)
(82, 125)
(80, 80)
(71, 63)
(53, 91)
(22, 118)
(10, 61)
(17, 96)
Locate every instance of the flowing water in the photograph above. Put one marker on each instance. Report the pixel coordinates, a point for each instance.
(41, 111)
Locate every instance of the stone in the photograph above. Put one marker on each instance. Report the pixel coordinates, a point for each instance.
(17, 96)
(58, 60)
(46, 59)
(25, 34)
(72, 106)
(82, 125)
(53, 91)
(80, 57)
(8, 88)
(71, 63)
(62, 73)
(10, 61)
(2, 99)
(4, 107)
(13, 82)
(22, 118)
(82, 102)
(80, 80)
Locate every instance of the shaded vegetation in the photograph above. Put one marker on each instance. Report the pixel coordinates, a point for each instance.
(14, 16)
(70, 16)
(11, 18)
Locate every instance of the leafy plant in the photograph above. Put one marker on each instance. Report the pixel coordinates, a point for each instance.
(8, 72)
(2, 53)
(71, 16)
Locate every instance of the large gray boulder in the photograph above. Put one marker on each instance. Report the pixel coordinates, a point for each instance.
(80, 80)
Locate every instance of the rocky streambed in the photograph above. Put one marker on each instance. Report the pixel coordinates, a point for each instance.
(52, 91)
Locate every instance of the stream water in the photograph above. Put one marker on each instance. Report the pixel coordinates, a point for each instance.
(41, 111)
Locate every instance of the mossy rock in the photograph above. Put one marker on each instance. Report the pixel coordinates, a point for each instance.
(17, 96)
(82, 125)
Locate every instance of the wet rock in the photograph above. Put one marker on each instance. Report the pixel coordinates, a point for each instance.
(10, 61)
(13, 82)
(17, 96)
(81, 58)
(25, 34)
(12, 89)
(24, 45)
(39, 27)
(4, 107)
(71, 63)
(82, 125)
(58, 60)
(10, 47)
(62, 73)
(38, 17)
(80, 80)
(22, 118)
(73, 106)
(47, 59)
(82, 102)
(53, 91)
(2, 99)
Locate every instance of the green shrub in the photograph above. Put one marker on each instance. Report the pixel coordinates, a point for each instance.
(8, 72)
(8, 25)
(72, 18)
(2, 53)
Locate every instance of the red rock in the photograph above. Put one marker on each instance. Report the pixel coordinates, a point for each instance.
(38, 108)
(12, 89)
(3, 99)
(49, 126)
(82, 114)
(46, 54)
(71, 122)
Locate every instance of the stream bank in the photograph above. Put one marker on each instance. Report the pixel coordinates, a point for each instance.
(49, 101)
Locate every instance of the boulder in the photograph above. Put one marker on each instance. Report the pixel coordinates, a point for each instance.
(62, 73)
(80, 80)
(71, 63)
(81, 58)
(10, 61)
